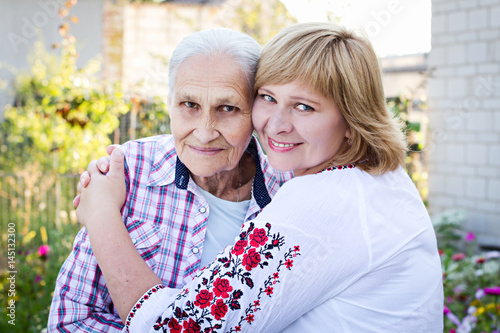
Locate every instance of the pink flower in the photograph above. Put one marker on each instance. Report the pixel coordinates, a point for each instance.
(43, 250)
(492, 255)
(492, 291)
(458, 256)
(479, 293)
(470, 237)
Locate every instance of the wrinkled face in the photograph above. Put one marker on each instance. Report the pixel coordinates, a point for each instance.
(300, 129)
(210, 111)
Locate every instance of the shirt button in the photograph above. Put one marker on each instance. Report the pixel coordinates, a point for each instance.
(134, 241)
(202, 210)
(195, 250)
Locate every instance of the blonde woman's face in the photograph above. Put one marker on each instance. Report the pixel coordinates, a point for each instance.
(300, 129)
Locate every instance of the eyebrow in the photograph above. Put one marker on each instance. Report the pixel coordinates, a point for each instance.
(232, 100)
(293, 97)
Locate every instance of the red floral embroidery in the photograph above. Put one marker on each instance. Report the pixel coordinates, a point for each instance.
(219, 309)
(203, 299)
(342, 167)
(138, 305)
(216, 294)
(258, 237)
(191, 326)
(251, 259)
(239, 247)
(174, 326)
(222, 288)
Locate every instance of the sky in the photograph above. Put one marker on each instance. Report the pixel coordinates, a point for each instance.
(395, 27)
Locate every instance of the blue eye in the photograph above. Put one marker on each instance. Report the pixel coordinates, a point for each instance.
(304, 107)
(190, 105)
(267, 98)
(228, 108)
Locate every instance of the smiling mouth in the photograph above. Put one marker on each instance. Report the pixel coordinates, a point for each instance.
(206, 150)
(282, 145)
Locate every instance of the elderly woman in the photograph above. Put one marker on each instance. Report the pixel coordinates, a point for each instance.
(187, 193)
(345, 246)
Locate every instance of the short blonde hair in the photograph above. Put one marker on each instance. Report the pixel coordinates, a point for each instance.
(338, 63)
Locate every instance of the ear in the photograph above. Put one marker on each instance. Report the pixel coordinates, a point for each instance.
(348, 132)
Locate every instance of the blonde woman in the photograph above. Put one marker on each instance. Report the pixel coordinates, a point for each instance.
(345, 246)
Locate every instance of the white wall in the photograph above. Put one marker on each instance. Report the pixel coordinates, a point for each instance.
(464, 99)
(23, 21)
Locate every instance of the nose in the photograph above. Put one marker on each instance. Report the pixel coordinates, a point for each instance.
(206, 128)
(280, 121)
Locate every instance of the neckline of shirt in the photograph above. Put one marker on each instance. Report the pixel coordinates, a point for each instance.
(342, 167)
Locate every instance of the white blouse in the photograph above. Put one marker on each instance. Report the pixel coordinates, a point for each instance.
(342, 251)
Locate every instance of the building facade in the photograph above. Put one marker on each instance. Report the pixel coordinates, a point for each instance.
(464, 103)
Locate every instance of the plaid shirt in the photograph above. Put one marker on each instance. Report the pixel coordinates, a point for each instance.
(166, 216)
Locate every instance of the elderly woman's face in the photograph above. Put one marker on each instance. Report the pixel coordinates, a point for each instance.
(210, 111)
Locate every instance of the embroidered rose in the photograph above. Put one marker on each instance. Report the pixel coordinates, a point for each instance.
(215, 295)
(251, 259)
(219, 309)
(239, 247)
(258, 237)
(203, 299)
(222, 288)
(174, 326)
(191, 326)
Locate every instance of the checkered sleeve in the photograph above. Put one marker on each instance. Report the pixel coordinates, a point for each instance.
(81, 301)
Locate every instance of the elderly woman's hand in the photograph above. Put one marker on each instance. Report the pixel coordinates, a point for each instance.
(105, 193)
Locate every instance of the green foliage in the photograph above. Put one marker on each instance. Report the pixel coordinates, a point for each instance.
(61, 119)
(35, 278)
(448, 227)
(152, 117)
(415, 162)
(61, 115)
(261, 19)
(467, 307)
(466, 273)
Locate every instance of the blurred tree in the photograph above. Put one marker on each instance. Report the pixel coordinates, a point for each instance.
(62, 115)
(415, 162)
(258, 18)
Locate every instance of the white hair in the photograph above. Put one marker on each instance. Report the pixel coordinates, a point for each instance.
(217, 42)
